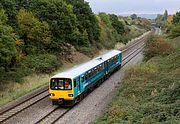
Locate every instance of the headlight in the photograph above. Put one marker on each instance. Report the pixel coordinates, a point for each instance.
(70, 95)
(52, 94)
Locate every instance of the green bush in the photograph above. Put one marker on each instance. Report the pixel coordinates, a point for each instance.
(157, 46)
(16, 74)
(175, 31)
(7, 42)
(149, 93)
(44, 63)
(86, 50)
(117, 25)
(106, 19)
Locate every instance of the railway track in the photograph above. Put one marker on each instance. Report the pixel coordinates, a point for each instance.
(131, 45)
(53, 116)
(57, 113)
(14, 110)
(35, 98)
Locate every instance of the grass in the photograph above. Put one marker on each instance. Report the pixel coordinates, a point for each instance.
(150, 93)
(12, 91)
(15, 90)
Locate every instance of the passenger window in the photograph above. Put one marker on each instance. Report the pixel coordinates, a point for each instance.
(82, 78)
(100, 67)
(95, 70)
(106, 63)
(89, 74)
(86, 76)
(77, 80)
(92, 73)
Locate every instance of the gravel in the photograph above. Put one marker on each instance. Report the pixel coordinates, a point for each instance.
(93, 105)
(32, 114)
(84, 112)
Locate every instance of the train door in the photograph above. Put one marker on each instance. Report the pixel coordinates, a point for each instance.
(82, 82)
(77, 89)
(106, 67)
(78, 85)
(120, 57)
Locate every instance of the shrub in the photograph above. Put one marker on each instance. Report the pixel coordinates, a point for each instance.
(157, 46)
(86, 50)
(106, 19)
(44, 63)
(149, 93)
(175, 32)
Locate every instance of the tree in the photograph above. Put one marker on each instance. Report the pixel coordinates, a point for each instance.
(176, 18)
(106, 19)
(80, 40)
(60, 17)
(35, 34)
(10, 8)
(117, 25)
(134, 16)
(165, 15)
(7, 42)
(175, 31)
(86, 19)
(160, 20)
(3, 17)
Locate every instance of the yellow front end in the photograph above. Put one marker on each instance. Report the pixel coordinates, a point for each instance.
(61, 94)
(61, 91)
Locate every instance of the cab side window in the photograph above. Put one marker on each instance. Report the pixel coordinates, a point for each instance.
(74, 82)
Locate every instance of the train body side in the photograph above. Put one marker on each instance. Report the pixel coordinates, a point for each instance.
(106, 69)
(84, 81)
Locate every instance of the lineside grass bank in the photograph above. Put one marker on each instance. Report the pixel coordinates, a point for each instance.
(150, 92)
(28, 81)
(12, 91)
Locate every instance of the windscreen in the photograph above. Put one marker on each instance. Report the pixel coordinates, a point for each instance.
(61, 84)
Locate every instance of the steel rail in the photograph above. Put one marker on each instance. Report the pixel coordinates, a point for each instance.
(22, 106)
(46, 117)
(4, 116)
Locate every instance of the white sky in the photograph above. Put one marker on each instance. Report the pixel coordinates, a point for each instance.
(135, 6)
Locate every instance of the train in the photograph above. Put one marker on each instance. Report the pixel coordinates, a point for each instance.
(69, 87)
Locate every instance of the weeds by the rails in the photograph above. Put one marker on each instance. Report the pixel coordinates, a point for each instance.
(12, 91)
(150, 93)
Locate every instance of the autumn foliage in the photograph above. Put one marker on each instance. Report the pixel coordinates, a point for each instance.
(157, 46)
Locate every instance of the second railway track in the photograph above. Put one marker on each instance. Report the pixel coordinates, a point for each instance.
(14, 110)
(57, 113)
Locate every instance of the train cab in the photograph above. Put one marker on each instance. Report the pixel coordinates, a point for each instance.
(61, 91)
(68, 87)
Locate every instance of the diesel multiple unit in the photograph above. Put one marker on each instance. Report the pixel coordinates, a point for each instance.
(68, 87)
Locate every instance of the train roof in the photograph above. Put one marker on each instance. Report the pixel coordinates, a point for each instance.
(110, 54)
(82, 68)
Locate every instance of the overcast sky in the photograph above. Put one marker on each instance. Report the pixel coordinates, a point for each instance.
(134, 6)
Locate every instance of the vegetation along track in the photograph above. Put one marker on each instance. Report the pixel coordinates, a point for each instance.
(54, 115)
(35, 98)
